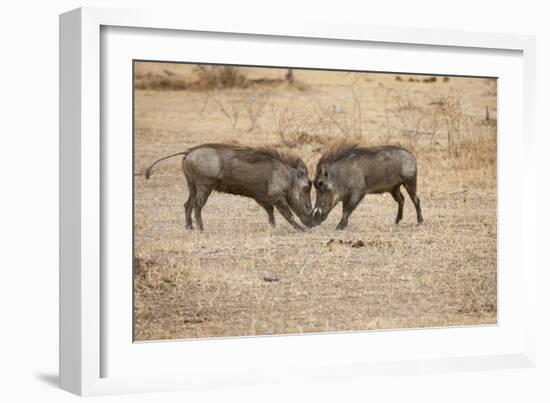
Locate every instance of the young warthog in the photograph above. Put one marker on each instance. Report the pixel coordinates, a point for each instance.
(347, 172)
(270, 177)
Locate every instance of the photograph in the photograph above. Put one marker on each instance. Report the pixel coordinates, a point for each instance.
(277, 200)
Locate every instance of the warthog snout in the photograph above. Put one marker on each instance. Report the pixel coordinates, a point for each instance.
(300, 200)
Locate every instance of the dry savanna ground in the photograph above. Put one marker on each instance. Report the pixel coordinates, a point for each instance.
(241, 277)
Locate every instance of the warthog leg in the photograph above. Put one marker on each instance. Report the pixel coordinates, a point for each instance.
(400, 199)
(348, 205)
(286, 212)
(203, 192)
(411, 190)
(190, 203)
(270, 210)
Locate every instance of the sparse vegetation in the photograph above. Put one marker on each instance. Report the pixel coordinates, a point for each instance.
(218, 77)
(155, 76)
(239, 277)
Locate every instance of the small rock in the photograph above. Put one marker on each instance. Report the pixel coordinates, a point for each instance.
(271, 279)
(354, 244)
(194, 320)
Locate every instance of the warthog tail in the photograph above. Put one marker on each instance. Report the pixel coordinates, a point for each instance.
(148, 170)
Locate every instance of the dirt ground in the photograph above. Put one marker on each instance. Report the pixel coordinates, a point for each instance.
(241, 277)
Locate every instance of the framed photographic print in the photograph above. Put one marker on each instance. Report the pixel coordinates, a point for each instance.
(246, 202)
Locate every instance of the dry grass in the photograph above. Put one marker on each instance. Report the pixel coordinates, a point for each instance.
(239, 277)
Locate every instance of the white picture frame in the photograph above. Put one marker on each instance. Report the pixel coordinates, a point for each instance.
(85, 344)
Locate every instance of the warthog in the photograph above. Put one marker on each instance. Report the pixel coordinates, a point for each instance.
(269, 176)
(347, 172)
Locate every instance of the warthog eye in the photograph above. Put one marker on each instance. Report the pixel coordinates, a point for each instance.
(318, 184)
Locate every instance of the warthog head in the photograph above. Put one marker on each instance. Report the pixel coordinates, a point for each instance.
(327, 195)
(300, 195)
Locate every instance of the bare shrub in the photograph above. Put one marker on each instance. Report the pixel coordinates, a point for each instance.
(253, 108)
(447, 111)
(218, 77)
(246, 106)
(345, 119)
(322, 120)
(230, 108)
(210, 77)
(406, 121)
(165, 81)
(435, 121)
(296, 128)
